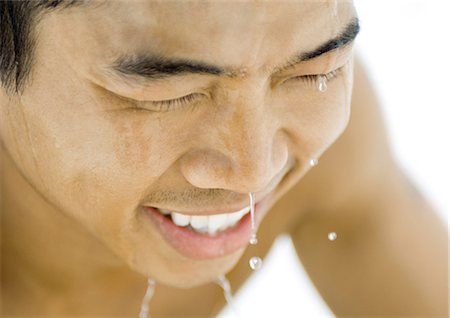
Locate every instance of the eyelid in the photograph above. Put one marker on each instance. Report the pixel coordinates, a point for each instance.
(173, 104)
(312, 78)
(169, 104)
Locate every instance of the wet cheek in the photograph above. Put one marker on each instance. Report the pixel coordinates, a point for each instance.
(316, 119)
(131, 147)
(90, 168)
(102, 179)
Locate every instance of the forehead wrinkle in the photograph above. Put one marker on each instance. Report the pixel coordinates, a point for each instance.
(169, 40)
(242, 24)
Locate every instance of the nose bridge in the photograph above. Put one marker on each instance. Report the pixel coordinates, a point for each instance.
(249, 140)
(243, 150)
(250, 144)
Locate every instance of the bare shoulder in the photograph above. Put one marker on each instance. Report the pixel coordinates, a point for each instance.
(389, 238)
(346, 168)
(345, 171)
(358, 190)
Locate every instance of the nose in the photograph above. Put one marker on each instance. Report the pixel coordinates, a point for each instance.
(246, 150)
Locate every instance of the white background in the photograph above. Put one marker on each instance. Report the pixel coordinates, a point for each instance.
(405, 45)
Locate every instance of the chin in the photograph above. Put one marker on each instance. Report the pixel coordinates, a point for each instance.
(187, 273)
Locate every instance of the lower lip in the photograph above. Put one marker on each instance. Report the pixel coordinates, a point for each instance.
(202, 246)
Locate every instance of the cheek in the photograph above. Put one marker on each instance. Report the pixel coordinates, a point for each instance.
(90, 163)
(85, 160)
(314, 118)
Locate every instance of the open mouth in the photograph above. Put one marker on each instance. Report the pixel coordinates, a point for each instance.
(210, 235)
(210, 224)
(205, 236)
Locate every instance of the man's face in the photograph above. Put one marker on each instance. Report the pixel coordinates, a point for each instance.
(99, 144)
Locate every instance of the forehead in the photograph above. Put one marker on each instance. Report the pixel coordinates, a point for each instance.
(245, 33)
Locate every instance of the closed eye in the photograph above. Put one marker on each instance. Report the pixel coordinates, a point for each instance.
(167, 105)
(313, 78)
(173, 104)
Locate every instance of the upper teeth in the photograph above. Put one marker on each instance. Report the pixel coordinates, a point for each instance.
(207, 223)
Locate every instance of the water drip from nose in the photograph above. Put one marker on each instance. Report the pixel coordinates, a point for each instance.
(255, 262)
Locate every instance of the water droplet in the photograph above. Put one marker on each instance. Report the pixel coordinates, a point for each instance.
(144, 312)
(322, 83)
(252, 209)
(313, 162)
(225, 284)
(253, 240)
(242, 72)
(332, 236)
(255, 263)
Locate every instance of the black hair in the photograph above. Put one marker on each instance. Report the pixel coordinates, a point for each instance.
(17, 22)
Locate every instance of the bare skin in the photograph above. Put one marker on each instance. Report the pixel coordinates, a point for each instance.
(61, 212)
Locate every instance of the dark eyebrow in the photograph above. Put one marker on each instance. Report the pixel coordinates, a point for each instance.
(345, 37)
(157, 67)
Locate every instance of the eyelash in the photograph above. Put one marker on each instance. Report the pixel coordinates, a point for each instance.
(312, 79)
(172, 104)
(166, 105)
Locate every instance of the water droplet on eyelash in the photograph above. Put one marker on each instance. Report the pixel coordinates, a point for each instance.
(322, 83)
(242, 72)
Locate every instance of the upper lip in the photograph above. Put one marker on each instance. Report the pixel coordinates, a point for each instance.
(227, 209)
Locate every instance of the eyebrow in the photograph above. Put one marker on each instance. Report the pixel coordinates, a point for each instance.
(157, 67)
